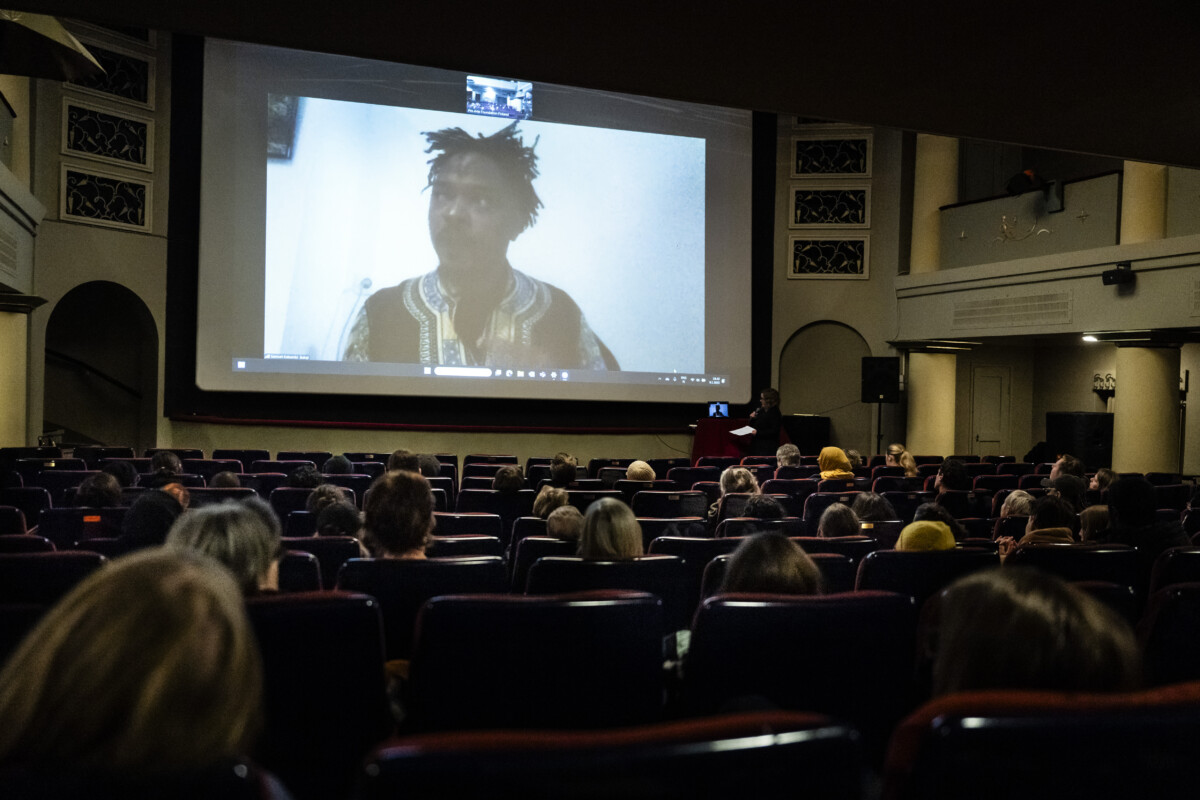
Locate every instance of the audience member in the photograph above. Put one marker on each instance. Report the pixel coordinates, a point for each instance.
(1050, 522)
(565, 522)
(339, 519)
(1101, 480)
(304, 476)
(1093, 521)
(872, 507)
(1067, 465)
(98, 491)
(897, 456)
(1133, 521)
(834, 465)
(405, 460)
(225, 480)
(610, 532)
(1018, 503)
(762, 506)
(125, 473)
(771, 563)
(147, 667)
(166, 461)
(149, 518)
(932, 512)
(429, 466)
(1069, 487)
(170, 483)
(548, 499)
(838, 520)
(738, 480)
(563, 468)
(337, 465)
(640, 471)
(508, 480)
(855, 458)
(236, 536)
(788, 455)
(924, 535)
(398, 516)
(325, 495)
(952, 475)
(1017, 628)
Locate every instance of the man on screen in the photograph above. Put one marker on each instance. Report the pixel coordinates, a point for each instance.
(475, 309)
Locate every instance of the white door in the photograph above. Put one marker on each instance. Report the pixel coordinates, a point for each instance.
(989, 410)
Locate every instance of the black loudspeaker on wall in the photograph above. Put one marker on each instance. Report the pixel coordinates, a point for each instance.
(881, 379)
(1087, 435)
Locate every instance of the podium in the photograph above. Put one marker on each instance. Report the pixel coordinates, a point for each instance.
(713, 437)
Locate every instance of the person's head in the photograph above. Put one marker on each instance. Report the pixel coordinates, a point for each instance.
(236, 536)
(640, 471)
(735, 480)
(897, 456)
(565, 522)
(148, 665)
(562, 469)
(509, 480)
(838, 520)
(305, 476)
(771, 563)
(125, 473)
(769, 397)
(337, 465)
(149, 518)
(225, 480)
(398, 515)
(1067, 465)
(932, 512)
(166, 461)
(170, 483)
(429, 466)
(339, 519)
(872, 507)
(1068, 487)
(548, 499)
(833, 459)
(610, 532)
(788, 455)
(1100, 481)
(925, 535)
(481, 195)
(952, 474)
(1092, 520)
(1018, 628)
(762, 506)
(324, 495)
(855, 458)
(405, 460)
(98, 491)
(1018, 503)
(1131, 503)
(1050, 512)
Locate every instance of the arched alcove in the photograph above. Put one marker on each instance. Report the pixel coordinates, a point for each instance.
(820, 372)
(101, 378)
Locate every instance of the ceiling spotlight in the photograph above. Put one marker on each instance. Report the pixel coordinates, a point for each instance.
(1087, 337)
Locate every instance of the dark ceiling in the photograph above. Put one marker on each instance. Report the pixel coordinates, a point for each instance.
(1065, 76)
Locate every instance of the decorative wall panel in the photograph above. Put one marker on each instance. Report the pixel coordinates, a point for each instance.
(846, 257)
(100, 134)
(830, 154)
(129, 76)
(106, 199)
(830, 207)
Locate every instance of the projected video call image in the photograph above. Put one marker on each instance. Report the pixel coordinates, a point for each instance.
(406, 235)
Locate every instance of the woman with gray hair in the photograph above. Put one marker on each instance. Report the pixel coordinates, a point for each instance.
(239, 535)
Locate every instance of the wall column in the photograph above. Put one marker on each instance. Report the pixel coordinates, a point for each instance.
(1146, 410)
(931, 385)
(935, 184)
(1143, 202)
(14, 367)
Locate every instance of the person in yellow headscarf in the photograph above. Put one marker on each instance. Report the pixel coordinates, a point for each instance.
(834, 464)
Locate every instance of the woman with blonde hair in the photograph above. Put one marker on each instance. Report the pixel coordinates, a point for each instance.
(548, 499)
(147, 667)
(610, 532)
(897, 456)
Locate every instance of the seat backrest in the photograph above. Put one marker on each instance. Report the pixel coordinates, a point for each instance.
(745, 526)
(58, 481)
(92, 455)
(317, 457)
(481, 470)
(1175, 565)
(246, 457)
(25, 543)
(816, 504)
(853, 547)
(670, 504)
(324, 697)
(849, 655)
(262, 482)
(299, 571)
(732, 505)
(837, 574)
(483, 458)
(1113, 563)
(886, 531)
(719, 462)
(1017, 468)
(64, 526)
(529, 549)
(662, 466)
(286, 467)
(654, 527)
(12, 521)
(44, 577)
(920, 574)
(468, 524)
(582, 498)
(300, 524)
(906, 503)
(1071, 744)
(797, 472)
(358, 485)
(402, 586)
(994, 483)
(1167, 632)
(208, 467)
(696, 555)
(30, 499)
(684, 477)
(665, 576)
(287, 499)
(502, 661)
(331, 553)
(594, 465)
(1013, 526)
(182, 452)
(458, 546)
(508, 506)
(1174, 496)
(203, 496)
(896, 483)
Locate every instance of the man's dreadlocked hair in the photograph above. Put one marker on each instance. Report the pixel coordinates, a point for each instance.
(507, 150)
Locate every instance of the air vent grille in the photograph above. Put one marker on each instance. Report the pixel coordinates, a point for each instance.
(1012, 312)
(8, 252)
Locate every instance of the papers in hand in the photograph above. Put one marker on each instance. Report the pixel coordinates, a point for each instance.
(745, 430)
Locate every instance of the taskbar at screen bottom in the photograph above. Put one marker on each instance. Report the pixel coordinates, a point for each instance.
(291, 365)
